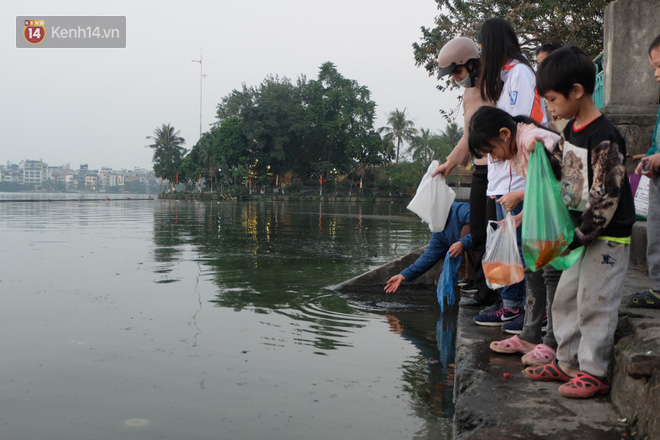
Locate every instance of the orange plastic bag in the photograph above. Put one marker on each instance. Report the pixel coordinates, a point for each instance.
(501, 261)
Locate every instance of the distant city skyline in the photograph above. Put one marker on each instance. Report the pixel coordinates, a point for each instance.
(41, 176)
(74, 166)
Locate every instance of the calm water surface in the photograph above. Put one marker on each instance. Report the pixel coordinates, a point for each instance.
(187, 320)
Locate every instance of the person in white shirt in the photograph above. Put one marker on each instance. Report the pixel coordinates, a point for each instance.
(508, 79)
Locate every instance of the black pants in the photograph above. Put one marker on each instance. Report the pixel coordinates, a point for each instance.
(482, 209)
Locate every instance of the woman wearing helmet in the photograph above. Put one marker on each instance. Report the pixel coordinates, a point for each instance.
(460, 59)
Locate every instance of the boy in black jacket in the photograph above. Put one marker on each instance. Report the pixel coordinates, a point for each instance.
(597, 191)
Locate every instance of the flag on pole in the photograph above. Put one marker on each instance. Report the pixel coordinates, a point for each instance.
(360, 182)
(177, 177)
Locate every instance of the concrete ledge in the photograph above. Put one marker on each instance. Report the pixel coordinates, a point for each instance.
(375, 279)
(636, 378)
(490, 406)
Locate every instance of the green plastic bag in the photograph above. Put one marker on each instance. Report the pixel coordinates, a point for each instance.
(547, 227)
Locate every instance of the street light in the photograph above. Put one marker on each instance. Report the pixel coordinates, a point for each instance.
(200, 90)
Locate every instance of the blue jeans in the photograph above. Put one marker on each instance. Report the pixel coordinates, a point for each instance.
(513, 296)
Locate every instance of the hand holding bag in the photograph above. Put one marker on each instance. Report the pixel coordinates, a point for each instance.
(433, 199)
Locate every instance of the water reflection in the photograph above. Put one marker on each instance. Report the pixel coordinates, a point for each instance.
(430, 376)
(267, 257)
(275, 259)
(193, 320)
(243, 237)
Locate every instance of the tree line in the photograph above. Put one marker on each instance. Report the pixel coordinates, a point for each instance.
(297, 133)
(283, 132)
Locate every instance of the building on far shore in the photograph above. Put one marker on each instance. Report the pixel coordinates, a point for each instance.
(37, 175)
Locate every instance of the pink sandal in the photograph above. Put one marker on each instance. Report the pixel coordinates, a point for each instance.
(584, 386)
(509, 346)
(541, 355)
(547, 373)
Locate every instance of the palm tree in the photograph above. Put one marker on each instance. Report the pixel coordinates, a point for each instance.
(168, 152)
(399, 128)
(452, 134)
(424, 147)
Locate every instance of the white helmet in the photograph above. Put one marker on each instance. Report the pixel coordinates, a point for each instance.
(456, 52)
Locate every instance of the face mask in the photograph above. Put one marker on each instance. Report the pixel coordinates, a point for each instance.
(465, 82)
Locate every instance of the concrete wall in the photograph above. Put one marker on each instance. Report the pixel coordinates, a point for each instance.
(631, 93)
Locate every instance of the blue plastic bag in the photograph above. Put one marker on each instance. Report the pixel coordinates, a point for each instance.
(447, 281)
(445, 335)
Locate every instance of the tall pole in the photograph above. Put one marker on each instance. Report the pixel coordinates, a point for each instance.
(200, 91)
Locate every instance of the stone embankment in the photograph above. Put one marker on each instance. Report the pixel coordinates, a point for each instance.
(492, 406)
(494, 400)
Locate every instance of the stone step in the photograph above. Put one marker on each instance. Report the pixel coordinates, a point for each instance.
(492, 406)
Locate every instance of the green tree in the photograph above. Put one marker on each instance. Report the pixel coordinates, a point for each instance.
(234, 104)
(168, 152)
(199, 161)
(451, 135)
(428, 146)
(400, 179)
(274, 125)
(424, 147)
(579, 22)
(307, 127)
(340, 114)
(190, 170)
(398, 130)
(230, 149)
(206, 156)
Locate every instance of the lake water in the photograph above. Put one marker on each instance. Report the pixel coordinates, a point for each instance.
(188, 320)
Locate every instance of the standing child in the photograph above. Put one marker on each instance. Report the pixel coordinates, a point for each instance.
(589, 293)
(507, 138)
(508, 79)
(650, 167)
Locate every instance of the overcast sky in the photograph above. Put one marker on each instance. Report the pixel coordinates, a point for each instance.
(97, 106)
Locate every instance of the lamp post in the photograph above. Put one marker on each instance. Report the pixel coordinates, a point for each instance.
(200, 90)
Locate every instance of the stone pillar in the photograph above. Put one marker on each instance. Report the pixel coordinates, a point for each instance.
(631, 93)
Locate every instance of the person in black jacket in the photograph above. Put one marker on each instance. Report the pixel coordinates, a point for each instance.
(597, 191)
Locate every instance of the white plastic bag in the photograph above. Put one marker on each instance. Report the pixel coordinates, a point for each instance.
(642, 198)
(501, 261)
(433, 200)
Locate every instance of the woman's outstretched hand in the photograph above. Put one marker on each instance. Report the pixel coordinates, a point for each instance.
(393, 283)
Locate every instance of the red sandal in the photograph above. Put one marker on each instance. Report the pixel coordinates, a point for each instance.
(583, 386)
(547, 373)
